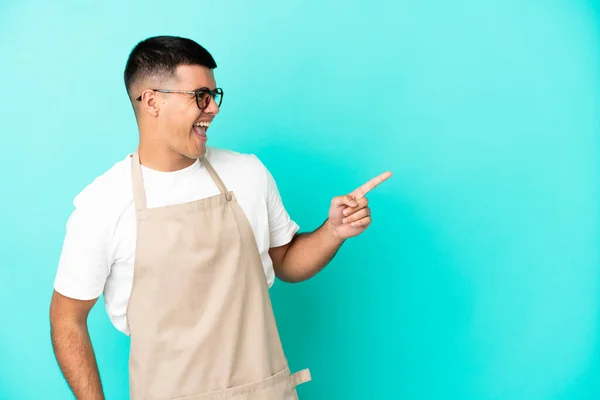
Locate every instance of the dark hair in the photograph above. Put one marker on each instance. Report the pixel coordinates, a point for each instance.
(161, 55)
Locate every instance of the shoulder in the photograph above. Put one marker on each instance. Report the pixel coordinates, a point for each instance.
(241, 165)
(243, 172)
(107, 194)
(226, 157)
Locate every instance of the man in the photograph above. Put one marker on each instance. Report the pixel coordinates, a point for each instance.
(184, 241)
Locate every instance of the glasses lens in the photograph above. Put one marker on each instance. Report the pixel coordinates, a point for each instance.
(203, 98)
(218, 96)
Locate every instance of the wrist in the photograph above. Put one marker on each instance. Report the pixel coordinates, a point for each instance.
(332, 232)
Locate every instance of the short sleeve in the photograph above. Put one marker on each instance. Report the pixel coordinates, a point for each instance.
(84, 266)
(281, 227)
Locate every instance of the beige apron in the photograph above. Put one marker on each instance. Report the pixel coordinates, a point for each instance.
(200, 316)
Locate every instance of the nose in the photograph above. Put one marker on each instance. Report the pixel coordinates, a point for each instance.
(212, 107)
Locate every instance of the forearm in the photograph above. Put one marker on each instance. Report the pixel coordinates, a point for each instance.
(309, 253)
(75, 355)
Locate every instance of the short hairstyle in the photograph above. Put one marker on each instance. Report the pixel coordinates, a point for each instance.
(161, 55)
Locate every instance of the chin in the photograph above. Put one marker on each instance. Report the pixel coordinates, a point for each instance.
(197, 153)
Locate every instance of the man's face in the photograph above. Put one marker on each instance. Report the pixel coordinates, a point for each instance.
(180, 115)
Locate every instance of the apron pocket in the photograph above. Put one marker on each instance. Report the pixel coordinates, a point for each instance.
(281, 386)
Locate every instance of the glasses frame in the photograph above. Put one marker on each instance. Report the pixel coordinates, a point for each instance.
(196, 93)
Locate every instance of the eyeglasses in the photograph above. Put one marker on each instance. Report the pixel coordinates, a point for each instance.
(203, 96)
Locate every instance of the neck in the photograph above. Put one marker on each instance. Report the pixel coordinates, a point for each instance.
(161, 159)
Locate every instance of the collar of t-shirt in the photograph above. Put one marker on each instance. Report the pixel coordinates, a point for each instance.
(153, 177)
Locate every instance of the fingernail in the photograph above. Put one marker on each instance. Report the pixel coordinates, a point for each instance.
(346, 211)
(344, 220)
(353, 224)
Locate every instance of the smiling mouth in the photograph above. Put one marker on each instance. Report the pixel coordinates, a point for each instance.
(200, 129)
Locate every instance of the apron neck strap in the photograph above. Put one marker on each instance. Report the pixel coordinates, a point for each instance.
(213, 174)
(139, 195)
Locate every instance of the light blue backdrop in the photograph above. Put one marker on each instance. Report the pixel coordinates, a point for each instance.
(479, 277)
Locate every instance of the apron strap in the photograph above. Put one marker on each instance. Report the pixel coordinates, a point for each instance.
(139, 196)
(300, 377)
(215, 177)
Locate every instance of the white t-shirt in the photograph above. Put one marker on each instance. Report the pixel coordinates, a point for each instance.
(98, 250)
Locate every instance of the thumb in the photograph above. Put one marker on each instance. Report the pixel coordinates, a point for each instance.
(346, 200)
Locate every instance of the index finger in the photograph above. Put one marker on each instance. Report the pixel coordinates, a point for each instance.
(372, 184)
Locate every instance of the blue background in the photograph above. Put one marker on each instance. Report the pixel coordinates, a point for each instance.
(479, 276)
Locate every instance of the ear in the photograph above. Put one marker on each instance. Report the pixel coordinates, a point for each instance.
(149, 103)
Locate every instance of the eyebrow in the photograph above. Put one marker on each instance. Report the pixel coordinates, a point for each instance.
(202, 88)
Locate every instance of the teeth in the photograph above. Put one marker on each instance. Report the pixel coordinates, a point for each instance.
(203, 123)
